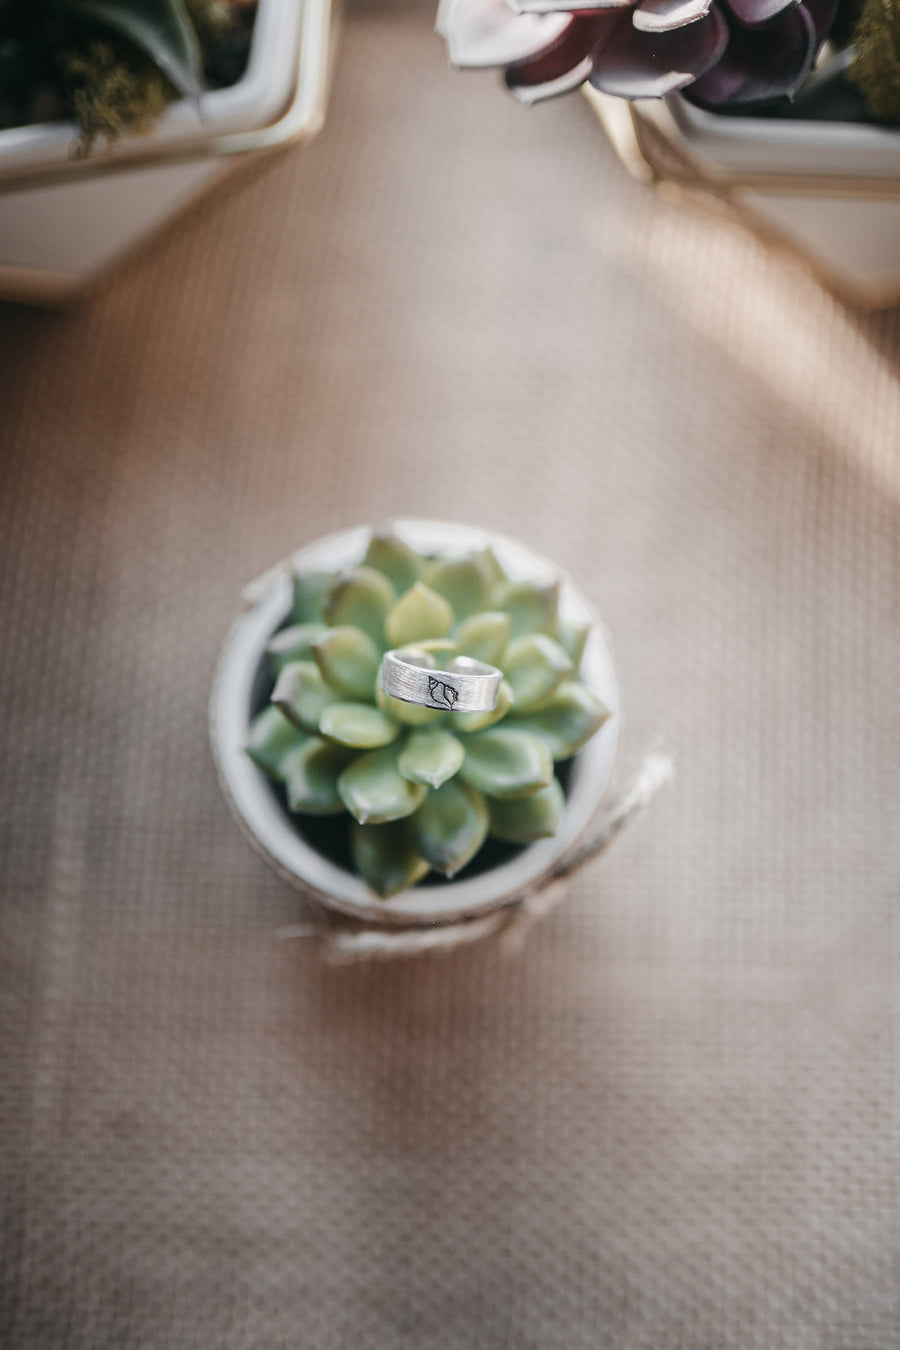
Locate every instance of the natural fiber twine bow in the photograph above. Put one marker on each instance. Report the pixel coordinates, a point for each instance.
(346, 941)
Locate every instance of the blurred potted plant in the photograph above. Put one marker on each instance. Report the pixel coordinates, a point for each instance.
(394, 813)
(742, 99)
(114, 115)
(113, 68)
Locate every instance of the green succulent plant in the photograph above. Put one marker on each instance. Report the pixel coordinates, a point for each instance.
(425, 788)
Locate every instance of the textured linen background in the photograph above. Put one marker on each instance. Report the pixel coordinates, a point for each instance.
(673, 1121)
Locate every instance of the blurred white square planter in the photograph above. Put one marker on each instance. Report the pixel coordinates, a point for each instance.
(64, 221)
(830, 189)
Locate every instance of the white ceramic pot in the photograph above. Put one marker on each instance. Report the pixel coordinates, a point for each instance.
(64, 221)
(269, 826)
(830, 189)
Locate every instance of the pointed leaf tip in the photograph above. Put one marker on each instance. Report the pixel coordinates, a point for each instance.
(525, 819)
(431, 757)
(271, 739)
(502, 762)
(360, 598)
(309, 591)
(567, 721)
(532, 606)
(535, 665)
(484, 636)
(292, 644)
(310, 777)
(572, 637)
(450, 826)
(385, 858)
(388, 553)
(463, 582)
(374, 790)
(420, 613)
(348, 660)
(302, 695)
(358, 725)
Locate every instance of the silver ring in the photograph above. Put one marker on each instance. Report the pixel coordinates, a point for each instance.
(466, 685)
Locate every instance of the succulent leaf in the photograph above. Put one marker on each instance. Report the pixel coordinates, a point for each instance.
(484, 636)
(529, 818)
(534, 665)
(358, 725)
(450, 826)
(420, 613)
(310, 777)
(302, 694)
(431, 757)
(360, 598)
(408, 714)
(567, 721)
(385, 858)
(463, 582)
(310, 590)
(491, 568)
(389, 554)
(532, 607)
(348, 660)
(502, 762)
(479, 721)
(293, 644)
(271, 740)
(572, 637)
(374, 790)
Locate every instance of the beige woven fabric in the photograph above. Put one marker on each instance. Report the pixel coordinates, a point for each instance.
(672, 1122)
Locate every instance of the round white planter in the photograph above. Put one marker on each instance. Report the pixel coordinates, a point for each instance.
(270, 827)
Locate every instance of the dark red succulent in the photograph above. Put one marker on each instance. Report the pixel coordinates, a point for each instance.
(723, 54)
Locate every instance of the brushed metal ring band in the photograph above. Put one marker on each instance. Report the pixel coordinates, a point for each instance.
(465, 685)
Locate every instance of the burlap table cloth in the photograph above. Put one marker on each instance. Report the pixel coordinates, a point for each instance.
(672, 1120)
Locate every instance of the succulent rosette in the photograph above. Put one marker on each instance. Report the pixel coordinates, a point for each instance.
(425, 788)
(723, 54)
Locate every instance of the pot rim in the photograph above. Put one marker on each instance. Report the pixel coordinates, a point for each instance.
(268, 826)
(795, 148)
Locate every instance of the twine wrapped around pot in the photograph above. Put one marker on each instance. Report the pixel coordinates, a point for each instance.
(346, 941)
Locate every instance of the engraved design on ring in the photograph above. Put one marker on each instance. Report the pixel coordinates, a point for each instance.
(465, 685)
